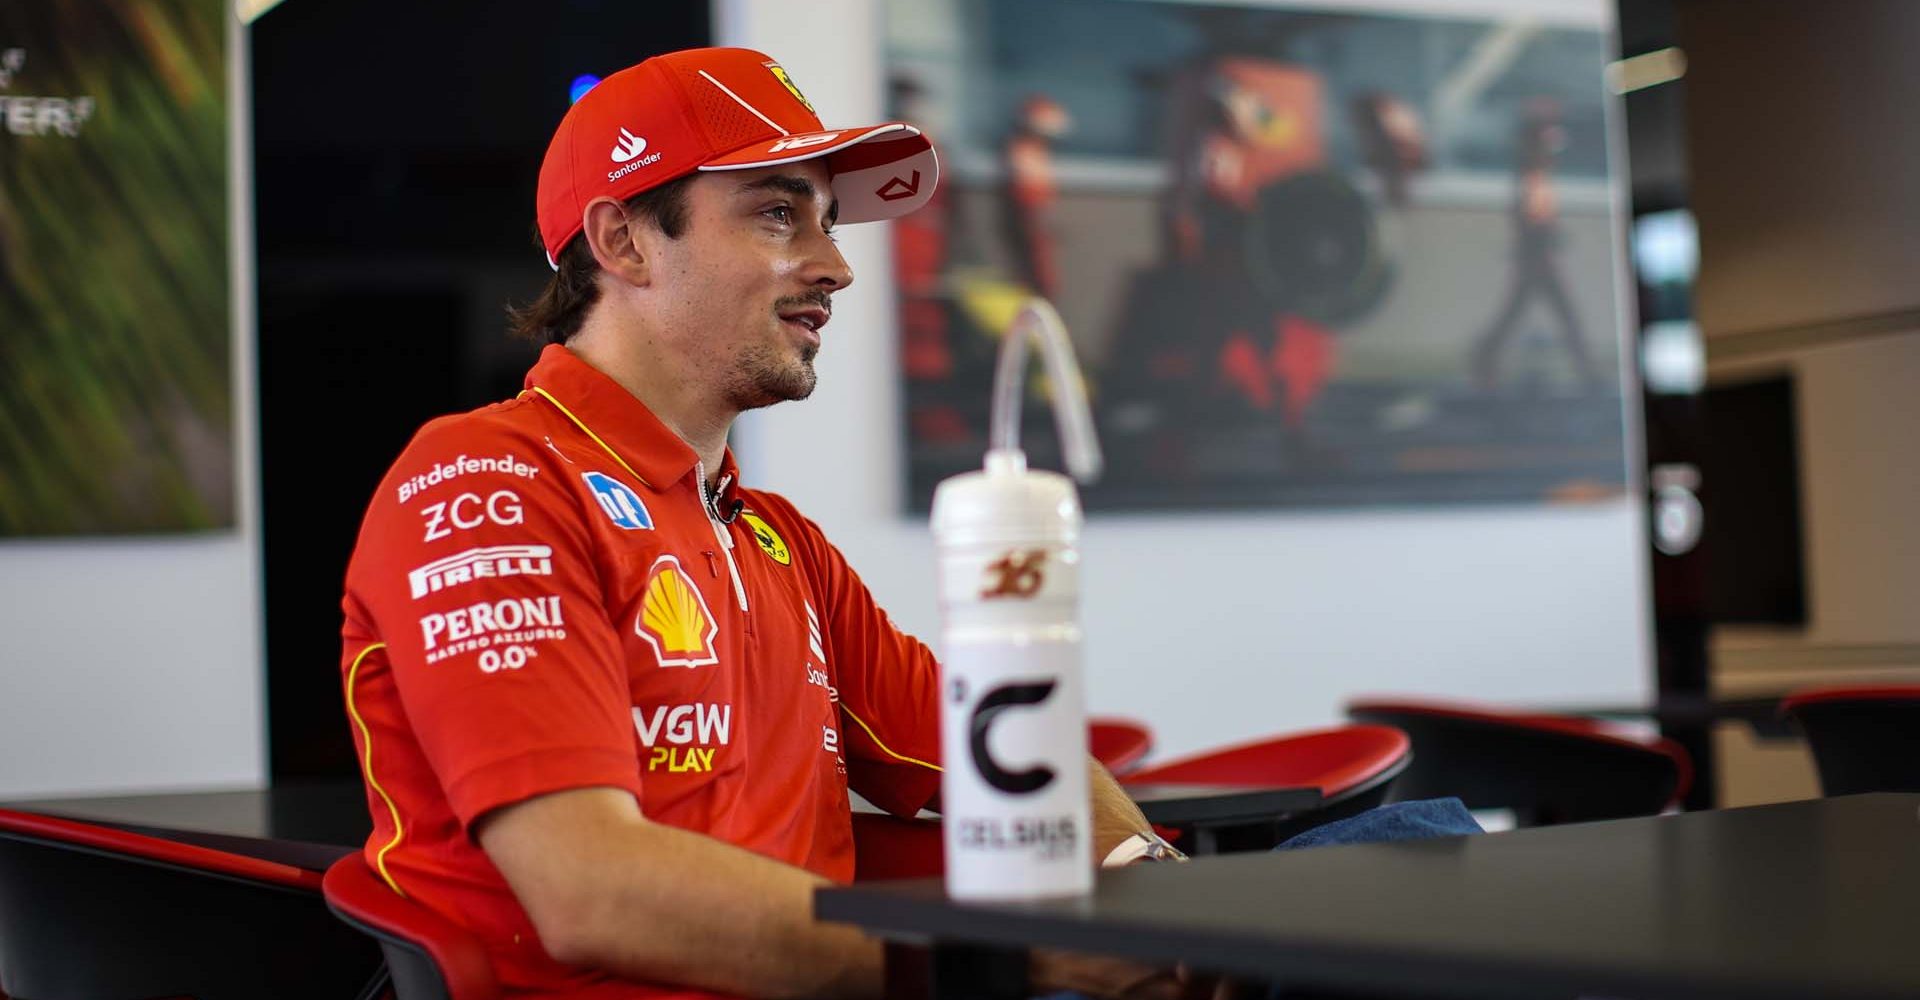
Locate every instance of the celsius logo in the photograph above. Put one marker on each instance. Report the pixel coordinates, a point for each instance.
(628, 147)
(989, 709)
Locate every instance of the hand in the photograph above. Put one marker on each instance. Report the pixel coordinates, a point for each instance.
(1197, 986)
(1101, 976)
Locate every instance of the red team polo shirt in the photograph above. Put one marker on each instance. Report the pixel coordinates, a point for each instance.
(540, 599)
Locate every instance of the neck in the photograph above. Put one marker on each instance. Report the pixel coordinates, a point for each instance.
(675, 392)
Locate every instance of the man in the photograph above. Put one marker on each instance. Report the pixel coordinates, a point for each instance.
(1537, 237)
(609, 702)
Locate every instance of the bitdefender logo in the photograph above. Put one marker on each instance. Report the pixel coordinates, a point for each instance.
(628, 147)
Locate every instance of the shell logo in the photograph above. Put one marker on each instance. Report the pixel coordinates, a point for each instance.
(674, 619)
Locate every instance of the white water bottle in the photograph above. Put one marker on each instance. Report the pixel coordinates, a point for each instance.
(1013, 718)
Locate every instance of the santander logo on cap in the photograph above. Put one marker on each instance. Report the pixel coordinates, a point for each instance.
(628, 147)
(628, 151)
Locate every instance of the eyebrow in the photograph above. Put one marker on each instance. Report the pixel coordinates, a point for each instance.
(797, 186)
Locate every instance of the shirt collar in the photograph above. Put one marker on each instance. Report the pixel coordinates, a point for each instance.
(617, 421)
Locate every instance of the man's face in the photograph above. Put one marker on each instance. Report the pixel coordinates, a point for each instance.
(747, 286)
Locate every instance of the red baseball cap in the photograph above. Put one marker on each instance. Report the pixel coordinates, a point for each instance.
(718, 109)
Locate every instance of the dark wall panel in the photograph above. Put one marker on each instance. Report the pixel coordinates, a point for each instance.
(1802, 143)
(396, 151)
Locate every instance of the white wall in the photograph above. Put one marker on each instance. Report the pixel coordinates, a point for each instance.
(136, 664)
(1213, 628)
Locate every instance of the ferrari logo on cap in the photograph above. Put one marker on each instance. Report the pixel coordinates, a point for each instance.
(674, 618)
(780, 74)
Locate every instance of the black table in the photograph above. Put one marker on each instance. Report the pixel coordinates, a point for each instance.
(1804, 899)
(304, 825)
(1206, 810)
(311, 825)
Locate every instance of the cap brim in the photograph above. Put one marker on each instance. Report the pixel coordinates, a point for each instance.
(879, 172)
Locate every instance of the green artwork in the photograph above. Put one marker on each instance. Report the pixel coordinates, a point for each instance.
(116, 406)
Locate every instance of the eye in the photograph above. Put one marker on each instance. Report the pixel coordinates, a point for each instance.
(783, 214)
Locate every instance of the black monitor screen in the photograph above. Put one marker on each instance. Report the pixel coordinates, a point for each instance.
(1751, 471)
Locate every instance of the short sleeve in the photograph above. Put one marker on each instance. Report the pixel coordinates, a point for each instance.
(478, 573)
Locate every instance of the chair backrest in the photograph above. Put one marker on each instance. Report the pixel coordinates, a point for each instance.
(93, 913)
(1864, 739)
(1337, 761)
(1546, 768)
(1353, 766)
(428, 956)
(888, 847)
(1118, 744)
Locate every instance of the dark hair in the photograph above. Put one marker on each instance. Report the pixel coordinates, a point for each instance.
(562, 306)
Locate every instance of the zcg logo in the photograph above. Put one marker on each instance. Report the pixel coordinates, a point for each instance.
(469, 510)
(1026, 694)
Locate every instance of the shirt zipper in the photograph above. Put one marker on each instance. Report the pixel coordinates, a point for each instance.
(720, 530)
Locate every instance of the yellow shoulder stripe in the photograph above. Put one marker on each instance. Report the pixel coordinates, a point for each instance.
(885, 748)
(366, 766)
(577, 422)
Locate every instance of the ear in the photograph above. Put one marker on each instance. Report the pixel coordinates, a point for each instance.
(613, 234)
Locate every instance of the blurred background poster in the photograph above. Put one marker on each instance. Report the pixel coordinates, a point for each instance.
(1312, 256)
(115, 396)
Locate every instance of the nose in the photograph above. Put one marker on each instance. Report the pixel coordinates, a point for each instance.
(826, 268)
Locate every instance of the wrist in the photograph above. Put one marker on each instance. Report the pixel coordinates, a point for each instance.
(1142, 846)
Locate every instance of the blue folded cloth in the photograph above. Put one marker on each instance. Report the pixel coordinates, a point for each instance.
(1420, 820)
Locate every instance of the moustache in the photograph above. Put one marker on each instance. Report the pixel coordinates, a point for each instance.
(813, 297)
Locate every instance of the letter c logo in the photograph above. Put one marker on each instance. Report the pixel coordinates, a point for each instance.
(991, 705)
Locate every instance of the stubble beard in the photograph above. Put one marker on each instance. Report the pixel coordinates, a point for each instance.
(764, 377)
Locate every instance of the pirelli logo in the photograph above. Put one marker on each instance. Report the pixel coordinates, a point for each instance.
(487, 562)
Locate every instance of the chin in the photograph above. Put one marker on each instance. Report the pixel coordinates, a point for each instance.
(788, 386)
(801, 386)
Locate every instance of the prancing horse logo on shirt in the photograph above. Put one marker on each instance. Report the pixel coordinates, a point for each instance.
(770, 541)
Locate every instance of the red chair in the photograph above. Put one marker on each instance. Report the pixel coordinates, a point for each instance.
(1546, 768)
(94, 913)
(887, 847)
(1118, 744)
(429, 956)
(1864, 739)
(1353, 766)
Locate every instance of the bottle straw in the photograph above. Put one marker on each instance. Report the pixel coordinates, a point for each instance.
(1039, 321)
